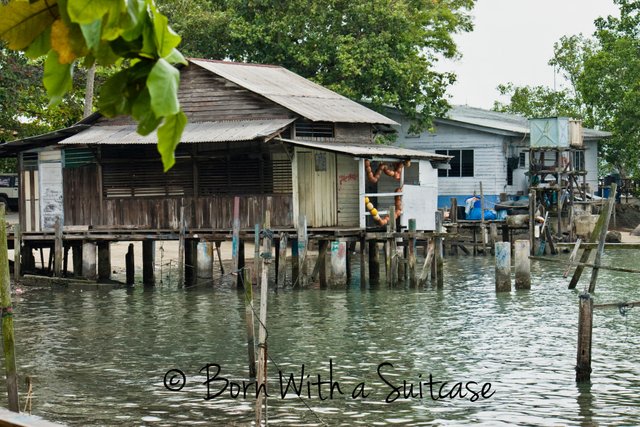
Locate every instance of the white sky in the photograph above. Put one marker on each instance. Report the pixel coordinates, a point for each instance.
(512, 41)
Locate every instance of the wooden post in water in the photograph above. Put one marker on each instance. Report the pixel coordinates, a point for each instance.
(248, 314)
(483, 226)
(261, 380)
(532, 222)
(129, 261)
(338, 264)
(148, 262)
(8, 336)
(302, 251)
(57, 262)
(413, 279)
(256, 257)
(89, 260)
(241, 264)
(235, 239)
(374, 263)
(282, 265)
(428, 260)
(523, 264)
(595, 235)
(503, 266)
(438, 261)
(204, 259)
(364, 261)
(321, 263)
(181, 247)
(585, 327)
(295, 266)
(393, 246)
(602, 238)
(104, 261)
(17, 253)
(219, 253)
(77, 259)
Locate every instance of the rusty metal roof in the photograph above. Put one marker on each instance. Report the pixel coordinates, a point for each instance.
(222, 131)
(294, 92)
(369, 151)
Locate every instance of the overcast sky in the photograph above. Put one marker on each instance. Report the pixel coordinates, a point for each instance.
(512, 41)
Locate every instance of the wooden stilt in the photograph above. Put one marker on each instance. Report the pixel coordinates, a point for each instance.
(8, 336)
(65, 261)
(321, 263)
(190, 261)
(364, 262)
(503, 266)
(532, 221)
(17, 253)
(295, 263)
(256, 257)
(413, 279)
(428, 260)
(181, 248)
(241, 264)
(89, 260)
(603, 235)
(282, 266)
(523, 264)
(77, 259)
(130, 265)
(235, 239)
(57, 262)
(104, 261)
(148, 262)
(393, 246)
(585, 327)
(219, 253)
(438, 261)
(374, 263)
(350, 250)
(302, 251)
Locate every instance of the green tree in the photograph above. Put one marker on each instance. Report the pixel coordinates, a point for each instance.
(381, 51)
(602, 76)
(130, 34)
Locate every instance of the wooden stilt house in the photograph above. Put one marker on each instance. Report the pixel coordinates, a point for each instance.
(260, 132)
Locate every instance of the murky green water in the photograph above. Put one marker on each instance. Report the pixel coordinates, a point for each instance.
(99, 358)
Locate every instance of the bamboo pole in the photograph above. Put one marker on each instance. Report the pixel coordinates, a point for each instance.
(8, 336)
(603, 237)
(248, 313)
(586, 264)
(261, 381)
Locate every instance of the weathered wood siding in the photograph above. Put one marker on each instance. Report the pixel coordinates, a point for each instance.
(82, 196)
(317, 188)
(348, 209)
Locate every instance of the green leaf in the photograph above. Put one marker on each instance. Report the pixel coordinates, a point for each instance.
(141, 111)
(169, 135)
(57, 78)
(163, 82)
(87, 11)
(40, 46)
(22, 22)
(175, 57)
(91, 33)
(166, 39)
(112, 101)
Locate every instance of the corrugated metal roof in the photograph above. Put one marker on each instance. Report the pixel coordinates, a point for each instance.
(369, 150)
(240, 130)
(294, 92)
(503, 121)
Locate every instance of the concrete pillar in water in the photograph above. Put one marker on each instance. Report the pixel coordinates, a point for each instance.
(338, 263)
(503, 266)
(204, 260)
(104, 261)
(523, 264)
(89, 260)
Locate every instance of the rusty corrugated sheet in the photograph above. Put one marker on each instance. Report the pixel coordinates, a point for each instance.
(369, 151)
(241, 130)
(294, 92)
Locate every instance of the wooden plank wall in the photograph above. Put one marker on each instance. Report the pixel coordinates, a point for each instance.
(348, 209)
(81, 196)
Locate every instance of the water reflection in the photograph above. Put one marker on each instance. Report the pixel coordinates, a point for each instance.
(99, 358)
